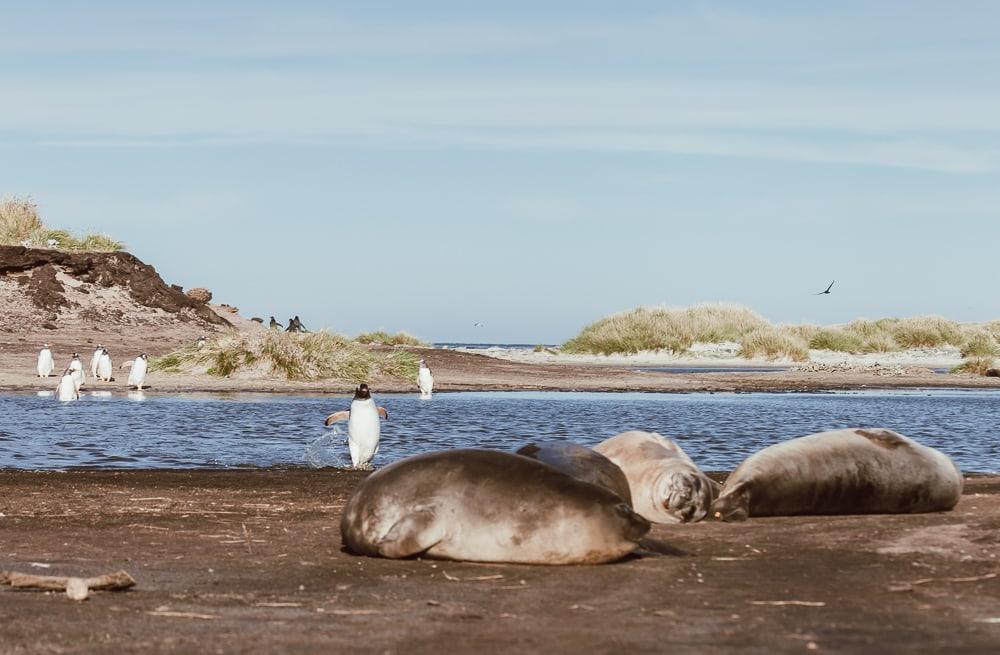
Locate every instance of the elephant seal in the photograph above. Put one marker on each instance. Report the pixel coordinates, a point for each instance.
(487, 506)
(666, 485)
(583, 464)
(854, 471)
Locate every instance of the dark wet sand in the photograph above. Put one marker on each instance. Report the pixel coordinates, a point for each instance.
(251, 560)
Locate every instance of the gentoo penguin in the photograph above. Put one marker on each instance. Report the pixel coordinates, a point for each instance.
(96, 358)
(291, 326)
(104, 368)
(298, 325)
(201, 342)
(363, 426)
(274, 325)
(45, 363)
(137, 376)
(425, 380)
(67, 387)
(76, 366)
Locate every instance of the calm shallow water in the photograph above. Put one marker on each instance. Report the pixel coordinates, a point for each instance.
(717, 430)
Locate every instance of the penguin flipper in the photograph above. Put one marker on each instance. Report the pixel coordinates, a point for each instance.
(383, 413)
(337, 416)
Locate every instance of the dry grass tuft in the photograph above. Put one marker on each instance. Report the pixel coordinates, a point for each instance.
(20, 224)
(665, 328)
(294, 356)
(382, 338)
(979, 343)
(774, 343)
(975, 365)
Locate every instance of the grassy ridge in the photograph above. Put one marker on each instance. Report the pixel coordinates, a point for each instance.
(677, 329)
(295, 356)
(20, 224)
(382, 338)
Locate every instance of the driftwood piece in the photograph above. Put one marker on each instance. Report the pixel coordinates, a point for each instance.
(116, 581)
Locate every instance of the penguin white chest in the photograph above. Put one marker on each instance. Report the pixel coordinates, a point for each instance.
(104, 370)
(425, 381)
(137, 375)
(363, 430)
(67, 388)
(45, 363)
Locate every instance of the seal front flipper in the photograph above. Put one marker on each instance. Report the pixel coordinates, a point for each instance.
(411, 535)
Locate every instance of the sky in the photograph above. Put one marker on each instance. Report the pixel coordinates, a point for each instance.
(531, 166)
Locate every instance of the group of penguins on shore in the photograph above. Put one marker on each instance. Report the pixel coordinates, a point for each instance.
(74, 378)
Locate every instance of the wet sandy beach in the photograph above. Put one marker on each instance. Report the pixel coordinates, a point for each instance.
(250, 561)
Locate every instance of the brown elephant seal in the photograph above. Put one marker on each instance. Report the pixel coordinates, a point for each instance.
(487, 506)
(667, 487)
(855, 471)
(581, 463)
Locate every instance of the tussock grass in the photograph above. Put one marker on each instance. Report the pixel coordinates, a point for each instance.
(979, 344)
(774, 343)
(925, 332)
(975, 365)
(665, 328)
(294, 356)
(21, 224)
(382, 338)
(837, 339)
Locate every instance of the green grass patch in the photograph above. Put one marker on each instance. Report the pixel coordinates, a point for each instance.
(774, 343)
(382, 338)
(975, 365)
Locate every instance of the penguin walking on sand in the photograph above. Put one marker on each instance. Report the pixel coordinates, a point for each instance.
(45, 363)
(76, 366)
(425, 380)
(94, 359)
(363, 426)
(104, 368)
(67, 389)
(137, 374)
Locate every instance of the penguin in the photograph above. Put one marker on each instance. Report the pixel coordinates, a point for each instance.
(274, 325)
(201, 342)
(425, 380)
(363, 426)
(96, 358)
(291, 326)
(45, 363)
(67, 387)
(104, 368)
(137, 376)
(298, 325)
(76, 366)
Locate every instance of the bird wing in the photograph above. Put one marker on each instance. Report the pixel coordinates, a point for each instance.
(383, 413)
(337, 416)
(830, 287)
(126, 365)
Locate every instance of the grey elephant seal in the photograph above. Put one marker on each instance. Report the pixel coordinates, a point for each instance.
(667, 487)
(581, 463)
(487, 506)
(855, 471)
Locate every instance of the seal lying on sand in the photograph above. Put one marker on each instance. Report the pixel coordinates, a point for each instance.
(666, 485)
(854, 471)
(487, 506)
(581, 463)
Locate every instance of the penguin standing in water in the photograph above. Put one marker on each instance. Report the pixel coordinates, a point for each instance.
(76, 366)
(96, 358)
(425, 380)
(363, 426)
(104, 368)
(45, 363)
(67, 389)
(137, 371)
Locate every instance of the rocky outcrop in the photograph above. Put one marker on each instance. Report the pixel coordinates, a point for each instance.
(204, 296)
(51, 278)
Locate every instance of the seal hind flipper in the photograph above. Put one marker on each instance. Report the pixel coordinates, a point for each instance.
(411, 535)
(528, 451)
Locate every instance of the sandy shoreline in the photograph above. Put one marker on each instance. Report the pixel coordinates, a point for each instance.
(250, 561)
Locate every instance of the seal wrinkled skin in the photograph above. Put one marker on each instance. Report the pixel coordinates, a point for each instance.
(487, 506)
(853, 471)
(667, 487)
(581, 463)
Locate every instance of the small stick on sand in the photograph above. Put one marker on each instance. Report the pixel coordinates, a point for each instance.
(75, 588)
(798, 603)
(908, 586)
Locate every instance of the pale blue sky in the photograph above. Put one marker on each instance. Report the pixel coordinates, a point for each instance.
(532, 166)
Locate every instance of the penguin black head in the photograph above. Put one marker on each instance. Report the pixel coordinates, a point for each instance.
(144, 356)
(362, 393)
(104, 351)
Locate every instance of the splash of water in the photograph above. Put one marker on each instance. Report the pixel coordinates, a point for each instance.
(329, 450)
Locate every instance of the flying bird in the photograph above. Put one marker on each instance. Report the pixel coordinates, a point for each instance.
(827, 292)
(477, 325)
